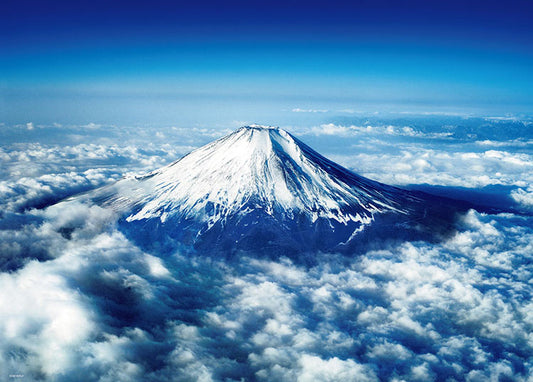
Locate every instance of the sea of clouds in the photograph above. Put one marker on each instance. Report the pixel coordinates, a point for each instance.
(79, 301)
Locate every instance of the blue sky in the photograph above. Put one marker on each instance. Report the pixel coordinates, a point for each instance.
(206, 63)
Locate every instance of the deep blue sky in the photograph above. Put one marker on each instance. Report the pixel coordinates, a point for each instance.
(214, 62)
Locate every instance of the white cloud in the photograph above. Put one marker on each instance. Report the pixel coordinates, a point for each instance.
(370, 130)
(410, 312)
(44, 318)
(507, 143)
(299, 110)
(435, 167)
(81, 302)
(92, 125)
(316, 369)
(523, 197)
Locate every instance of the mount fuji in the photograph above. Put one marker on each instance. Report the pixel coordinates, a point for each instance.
(260, 188)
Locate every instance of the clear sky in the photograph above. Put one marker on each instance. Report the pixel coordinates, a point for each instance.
(174, 62)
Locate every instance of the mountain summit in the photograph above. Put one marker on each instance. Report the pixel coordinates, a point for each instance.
(262, 168)
(259, 188)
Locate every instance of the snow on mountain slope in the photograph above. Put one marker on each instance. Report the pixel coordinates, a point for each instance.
(254, 183)
(263, 164)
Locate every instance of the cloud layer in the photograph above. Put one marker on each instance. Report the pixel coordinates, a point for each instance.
(103, 309)
(81, 302)
(462, 152)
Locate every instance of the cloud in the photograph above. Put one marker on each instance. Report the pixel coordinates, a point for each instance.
(332, 129)
(416, 165)
(392, 153)
(28, 192)
(507, 143)
(35, 175)
(43, 323)
(314, 368)
(30, 126)
(372, 130)
(82, 302)
(298, 110)
(524, 197)
(415, 311)
(92, 125)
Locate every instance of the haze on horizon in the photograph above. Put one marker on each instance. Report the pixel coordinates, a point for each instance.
(207, 63)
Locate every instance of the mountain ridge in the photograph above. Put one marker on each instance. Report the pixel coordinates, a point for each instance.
(261, 187)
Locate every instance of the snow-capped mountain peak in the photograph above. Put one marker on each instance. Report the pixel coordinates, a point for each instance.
(260, 187)
(257, 167)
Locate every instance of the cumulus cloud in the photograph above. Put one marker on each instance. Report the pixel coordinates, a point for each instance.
(367, 129)
(507, 143)
(82, 302)
(299, 110)
(43, 322)
(523, 197)
(92, 125)
(35, 175)
(415, 311)
(29, 192)
(416, 165)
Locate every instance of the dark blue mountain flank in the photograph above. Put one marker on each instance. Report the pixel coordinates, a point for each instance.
(262, 189)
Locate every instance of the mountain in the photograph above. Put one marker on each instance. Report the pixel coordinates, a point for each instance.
(260, 188)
